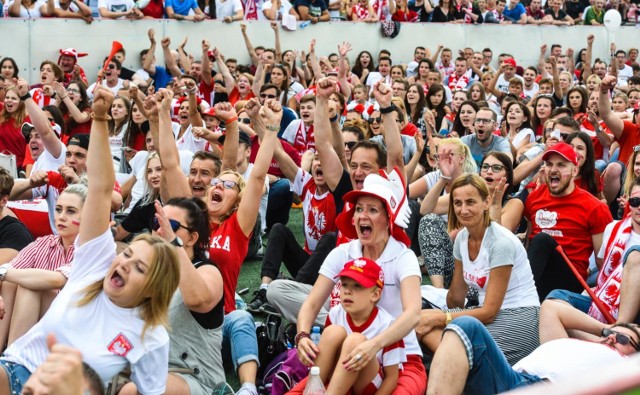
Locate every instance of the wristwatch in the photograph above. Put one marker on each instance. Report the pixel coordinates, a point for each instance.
(3, 270)
(176, 242)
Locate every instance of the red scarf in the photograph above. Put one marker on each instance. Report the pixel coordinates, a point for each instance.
(458, 83)
(304, 139)
(250, 10)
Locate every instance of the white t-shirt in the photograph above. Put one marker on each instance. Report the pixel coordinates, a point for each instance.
(625, 73)
(375, 76)
(503, 84)
(47, 162)
(634, 240)
(188, 142)
(499, 248)
(285, 8)
(116, 5)
(227, 8)
(108, 336)
(397, 261)
(525, 135)
(72, 6)
(115, 145)
(564, 358)
(529, 93)
(431, 179)
(24, 12)
(113, 90)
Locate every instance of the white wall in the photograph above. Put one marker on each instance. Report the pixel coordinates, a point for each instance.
(32, 41)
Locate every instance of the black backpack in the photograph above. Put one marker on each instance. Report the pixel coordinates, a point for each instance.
(271, 340)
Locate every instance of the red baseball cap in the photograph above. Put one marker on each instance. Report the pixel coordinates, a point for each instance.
(564, 150)
(511, 62)
(210, 111)
(364, 271)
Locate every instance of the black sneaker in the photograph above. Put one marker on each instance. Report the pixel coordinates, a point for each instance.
(258, 300)
(268, 309)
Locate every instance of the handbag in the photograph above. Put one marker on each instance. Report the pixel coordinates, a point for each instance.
(8, 161)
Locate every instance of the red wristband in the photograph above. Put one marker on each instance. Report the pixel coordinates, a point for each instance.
(301, 335)
(231, 120)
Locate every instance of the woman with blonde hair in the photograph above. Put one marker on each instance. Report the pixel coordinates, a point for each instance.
(490, 259)
(114, 307)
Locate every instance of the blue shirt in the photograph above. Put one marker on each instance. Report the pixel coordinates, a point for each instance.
(515, 14)
(181, 7)
(161, 77)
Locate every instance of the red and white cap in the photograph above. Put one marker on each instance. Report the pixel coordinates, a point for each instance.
(364, 271)
(72, 52)
(392, 191)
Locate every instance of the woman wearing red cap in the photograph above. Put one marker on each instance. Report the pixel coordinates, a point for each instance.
(378, 213)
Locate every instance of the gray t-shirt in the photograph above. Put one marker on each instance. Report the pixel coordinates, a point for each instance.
(498, 143)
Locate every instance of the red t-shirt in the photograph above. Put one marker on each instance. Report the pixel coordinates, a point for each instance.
(234, 96)
(630, 138)
(580, 183)
(79, 128)
(274, 168)
(228, 248)
(12, 140)
(571, 220)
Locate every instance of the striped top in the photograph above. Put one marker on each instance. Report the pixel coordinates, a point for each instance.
(46, 253)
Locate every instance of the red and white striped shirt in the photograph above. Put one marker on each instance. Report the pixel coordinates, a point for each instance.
(45, 252)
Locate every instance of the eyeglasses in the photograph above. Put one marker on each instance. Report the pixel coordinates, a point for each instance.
(175, 225)
(350, 144)
(246, 121)
(377, 120)
(265, 96)
(111, 66)
(227, 184)
(483, 120)
(494, 168)
(634, 202)
(621, 338)
(71, 90)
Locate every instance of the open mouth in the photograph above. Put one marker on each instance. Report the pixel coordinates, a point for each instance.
(365, 230)
(116, 280)
(216, 197)
(488, 180)
(554, 181)
(359, 184)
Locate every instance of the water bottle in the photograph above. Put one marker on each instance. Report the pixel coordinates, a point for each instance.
(314, 384)
(305, 24)
(315, 335)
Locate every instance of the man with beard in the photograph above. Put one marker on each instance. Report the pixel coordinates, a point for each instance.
(561, 214)
(483, 140)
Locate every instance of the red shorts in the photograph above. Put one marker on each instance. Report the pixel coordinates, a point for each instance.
(411, 381)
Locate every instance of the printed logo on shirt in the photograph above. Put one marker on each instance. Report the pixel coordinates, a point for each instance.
(481, 281)
(546, 219)
(120, 345)
(215, 243)
(316, 223)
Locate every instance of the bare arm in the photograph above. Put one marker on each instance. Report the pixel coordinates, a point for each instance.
(287, 165)
(494, 80)
(39, 120)
(258, 79)
(278, 48)
(172, 65)
(557, 89)
(97, 206)
(229, 81)
(252, 52)
(541, 59)
(331, 164)
(383, 94)
(76, 114)
(615, 124)
(36, 279)
(434, 58)
(588, 56)
(194, 115)
(148, 64)
(343, 69)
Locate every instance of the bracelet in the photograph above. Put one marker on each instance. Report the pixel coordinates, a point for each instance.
(106, 118)
(234, 119)
(62, 98)
(26, 96)
(448, 178)
(301, 335)
(273, 128)
(388, 110)
(53, 95)
(334, 119)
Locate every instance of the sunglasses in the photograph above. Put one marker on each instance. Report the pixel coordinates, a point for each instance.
(227, 184)
(246, 121)
(175, 225)
(377, 120)
(621, 338)
(483, 120)
(265, 96)
(494, 168)
(71, 90)
(111, 66)
(351, 144)
(634, 202)
(636, 148)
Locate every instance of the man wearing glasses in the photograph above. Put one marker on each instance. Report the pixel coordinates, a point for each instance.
(469, 360)
(484, 140)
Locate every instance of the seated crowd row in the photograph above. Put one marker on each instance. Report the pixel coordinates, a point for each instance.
(442, 168)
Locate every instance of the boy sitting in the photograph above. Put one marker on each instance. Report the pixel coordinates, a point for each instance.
(355, 320)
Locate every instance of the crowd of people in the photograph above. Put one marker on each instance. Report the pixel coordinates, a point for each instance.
(535, 12)
(507, 187)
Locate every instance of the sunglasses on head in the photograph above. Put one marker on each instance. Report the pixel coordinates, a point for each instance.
(634, 202)
(227, 184)
(621, 338)
(377, 120)
(350, 144)
(494, 168)
(175, 225)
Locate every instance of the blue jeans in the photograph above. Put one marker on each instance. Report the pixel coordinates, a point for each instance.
(239, 342)
(578, 301)
(489, 371)
(279, 203)
(17, 376)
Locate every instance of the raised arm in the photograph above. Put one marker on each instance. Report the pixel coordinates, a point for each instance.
(258, 79)
(615, 124)
(331, 165)
(494, 80)
(588, 57)
(185, 59)
(541, 60)
(229, 81)
(97, 206)
(343, 69)
(383, 94)
(337, 141)
(271, 113)
(278, 48)
(313, 61)
(39, 120)
(176, 183)
(226, 113)
(434, 58)
(194, 115)
(557, 89)
(206, 64)
(149, 60)
(76, 114)
(247, 42)
(170, 61)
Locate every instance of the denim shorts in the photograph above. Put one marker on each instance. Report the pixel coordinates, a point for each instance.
(17, 375)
